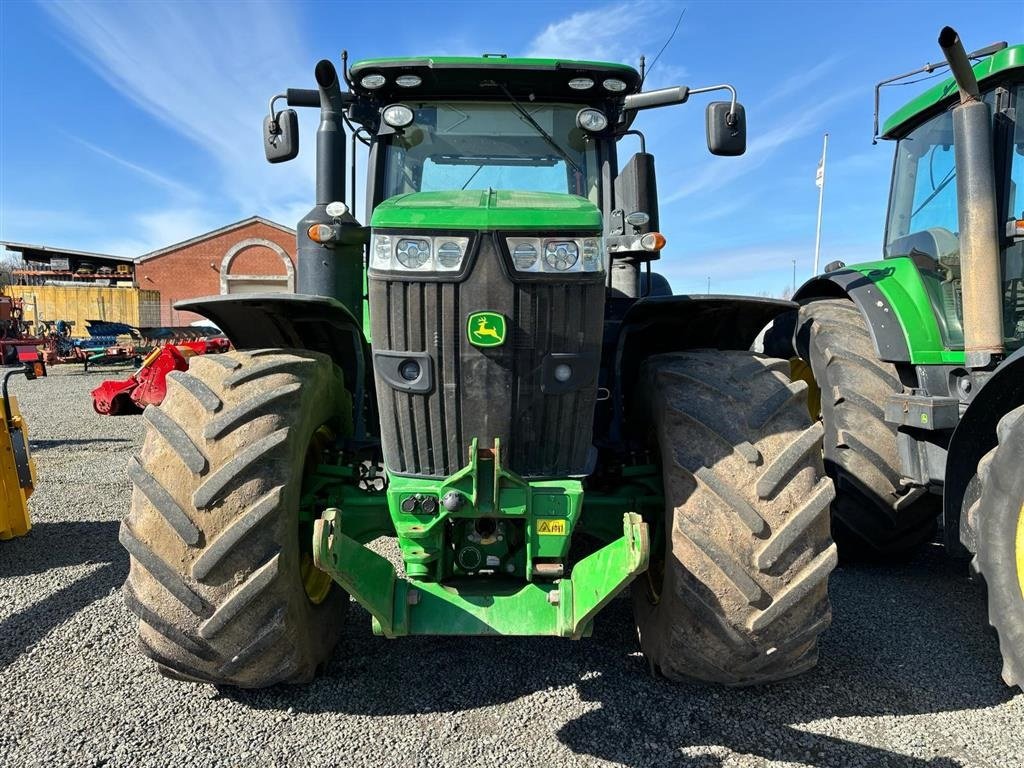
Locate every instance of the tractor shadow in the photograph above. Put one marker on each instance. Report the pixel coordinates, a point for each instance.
(115, 443)
(907, 639)
(58, 545)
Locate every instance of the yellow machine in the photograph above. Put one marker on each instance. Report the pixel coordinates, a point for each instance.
(17, 470)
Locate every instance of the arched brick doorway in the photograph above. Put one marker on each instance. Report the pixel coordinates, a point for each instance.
(248, 268)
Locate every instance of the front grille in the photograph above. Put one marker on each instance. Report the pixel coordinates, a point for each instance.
(493, 392)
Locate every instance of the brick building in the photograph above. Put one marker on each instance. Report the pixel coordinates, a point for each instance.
(252, 255)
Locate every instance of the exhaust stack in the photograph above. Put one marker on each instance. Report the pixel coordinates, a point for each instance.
(333, 268)
(976, 202)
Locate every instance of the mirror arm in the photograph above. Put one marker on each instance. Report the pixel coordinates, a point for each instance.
(659, 98)
(303, 97)
(731, 120)
(677, 95)
(273, 114)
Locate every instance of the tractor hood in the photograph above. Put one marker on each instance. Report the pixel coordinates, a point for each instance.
(491, 209)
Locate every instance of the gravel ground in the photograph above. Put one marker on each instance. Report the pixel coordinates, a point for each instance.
(908, 673)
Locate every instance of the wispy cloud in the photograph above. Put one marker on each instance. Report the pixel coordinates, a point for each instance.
(620, 33)
(799, 82)
(783, 128)
(206, 71)
(145, 232)
(176, 187)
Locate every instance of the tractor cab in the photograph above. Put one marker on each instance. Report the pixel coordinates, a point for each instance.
(922, 222)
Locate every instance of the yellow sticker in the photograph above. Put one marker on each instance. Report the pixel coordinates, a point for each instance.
(551, 527)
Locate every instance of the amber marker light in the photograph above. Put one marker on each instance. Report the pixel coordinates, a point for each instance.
(321, 233)
(652, 241)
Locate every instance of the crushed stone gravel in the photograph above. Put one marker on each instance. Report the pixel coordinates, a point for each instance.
(909, 672)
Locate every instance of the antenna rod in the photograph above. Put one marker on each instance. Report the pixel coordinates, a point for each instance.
(981, 53)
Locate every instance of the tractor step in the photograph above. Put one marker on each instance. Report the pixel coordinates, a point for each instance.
(480, 606)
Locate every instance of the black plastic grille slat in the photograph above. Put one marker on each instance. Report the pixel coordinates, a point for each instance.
(486, 393)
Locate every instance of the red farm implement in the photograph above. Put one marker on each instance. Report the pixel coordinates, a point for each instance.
(148, 385)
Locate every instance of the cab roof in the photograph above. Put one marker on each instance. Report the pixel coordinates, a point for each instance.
(545, 79)
(914, 111)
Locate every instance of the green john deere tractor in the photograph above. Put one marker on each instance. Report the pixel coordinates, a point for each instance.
(919, 357)
(490, 373)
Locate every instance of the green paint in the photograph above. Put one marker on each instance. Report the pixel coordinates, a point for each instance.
(900, 284)
(486, 489)
(487, 210)
(440, 595)
(486, 329)
(914, 111)
(413, 606)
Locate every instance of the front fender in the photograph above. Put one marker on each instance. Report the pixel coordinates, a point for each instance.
(659, 324)
(975, 436)
(894, 302)
(294, 321)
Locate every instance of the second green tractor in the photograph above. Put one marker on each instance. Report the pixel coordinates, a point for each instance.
(916, 361)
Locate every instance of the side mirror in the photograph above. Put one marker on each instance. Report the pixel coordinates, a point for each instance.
(281, 136)
(727, 134)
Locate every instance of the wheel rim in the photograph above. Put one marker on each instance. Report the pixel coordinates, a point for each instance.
(316, 583)
(1019, 547)
(800, 370)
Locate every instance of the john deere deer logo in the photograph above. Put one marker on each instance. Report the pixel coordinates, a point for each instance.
(486, 329)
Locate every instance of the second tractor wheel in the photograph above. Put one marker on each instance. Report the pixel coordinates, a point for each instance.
(737, 588)
(877, 512)
(221, 578)
(1001, 541)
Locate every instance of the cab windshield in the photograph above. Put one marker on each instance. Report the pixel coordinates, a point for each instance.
(923, 224)
(481, 145)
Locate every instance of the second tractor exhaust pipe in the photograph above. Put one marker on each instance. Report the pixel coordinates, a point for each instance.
(976, 196)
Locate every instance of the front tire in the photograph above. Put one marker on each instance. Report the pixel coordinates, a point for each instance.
(216, 577)
(878, 513)
(737, 592)
(1000, 556)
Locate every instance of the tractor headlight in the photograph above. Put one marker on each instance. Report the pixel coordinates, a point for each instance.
(524, 256)
(557, 255)
(398, 115)
(561, 255)
(591, 120)
(398, 253)
(450, 251)
(372, 82)
(413, 253)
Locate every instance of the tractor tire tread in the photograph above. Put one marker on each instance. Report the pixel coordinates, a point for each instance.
(176, 437)
(205, 396)
(164, 502)
(215, 555)
(744, 593)
(871, 518)
(1000, 506)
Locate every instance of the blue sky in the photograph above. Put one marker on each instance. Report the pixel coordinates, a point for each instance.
(130, 126)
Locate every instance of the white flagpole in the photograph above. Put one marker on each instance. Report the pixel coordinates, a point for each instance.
(820, 180)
